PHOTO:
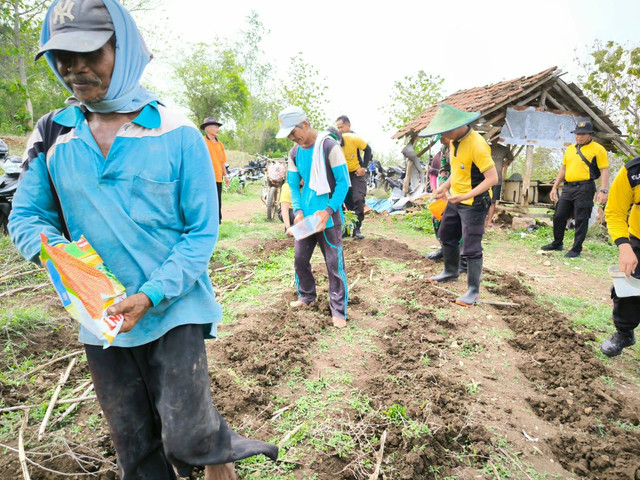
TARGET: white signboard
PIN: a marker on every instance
(529, 126)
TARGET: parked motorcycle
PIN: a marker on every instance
(12, 167)
(254, 170)
(273, 181)
(393, 178)
(373, 174)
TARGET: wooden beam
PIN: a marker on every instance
(528, 99)
(556, 103)
(543, 97)
(596, 118)
(526, 180)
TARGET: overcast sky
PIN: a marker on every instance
(362, 47)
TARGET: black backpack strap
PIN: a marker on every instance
(594, 171)
(50, 131)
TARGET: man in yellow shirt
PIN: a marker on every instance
(624, 228)
(357, 165)
(467, 190)
(582, 164)
(211, 128)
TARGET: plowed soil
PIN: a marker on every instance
(507, 383)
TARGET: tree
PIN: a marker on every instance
(613, 76)
(410, 97)
(27, 88)
(213, 84)
(304, 88)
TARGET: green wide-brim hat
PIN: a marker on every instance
(448, 118)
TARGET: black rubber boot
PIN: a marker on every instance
(451, 257)
(356, 230)
(612, 347)
(435, 256)
(474, 273)
(463, 265)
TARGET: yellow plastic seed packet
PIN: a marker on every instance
(85, 286)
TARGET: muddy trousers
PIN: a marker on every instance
(156, 399)
(626, 310)
(356, 196)
(576, 199)
(330, 242)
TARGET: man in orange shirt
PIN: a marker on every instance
(211, 128)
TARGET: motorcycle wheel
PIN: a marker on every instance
(271, 203)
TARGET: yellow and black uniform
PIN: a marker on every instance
(578, 191)
(577, 169)
(623, 222)
(469, 157)
(352, 145)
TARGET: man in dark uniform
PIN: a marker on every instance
(624, 228)
(467, 190)
(582, 164)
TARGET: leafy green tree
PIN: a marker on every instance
(613, 77)
(410, 97)
(306, 89)
(213, 84)
(27, 88)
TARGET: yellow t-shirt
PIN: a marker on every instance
(624, 194)
(352, 143)
(577, 170)
(285, 194)
(470, 157)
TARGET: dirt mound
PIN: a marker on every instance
(441, 390)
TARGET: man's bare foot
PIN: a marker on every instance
(339, 322)
(220, 472)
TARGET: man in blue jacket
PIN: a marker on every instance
(318, 160)
(135, 179)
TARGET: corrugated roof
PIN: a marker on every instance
(481, 99)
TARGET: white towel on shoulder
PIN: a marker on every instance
(318, 181)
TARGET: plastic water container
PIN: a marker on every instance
(437, 208)
(307, 227)
(624, 286)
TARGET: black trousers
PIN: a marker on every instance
(356, 195)
(156, 399)
(219, 187)
(464, 222)
(576, 199)
(626, 310)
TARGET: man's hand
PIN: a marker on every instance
(298, 218)
(360, 172)
(324, 218)
(133, 308)
(226, 180)
(553, 195)
(627, 260)
(458, 198)
(439, 193)
(601, 198)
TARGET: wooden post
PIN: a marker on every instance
(407, 176)
(526, 180)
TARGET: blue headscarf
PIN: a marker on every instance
(125, 93)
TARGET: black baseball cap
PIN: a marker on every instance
(78, 26)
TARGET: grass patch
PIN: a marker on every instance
(583, 313)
